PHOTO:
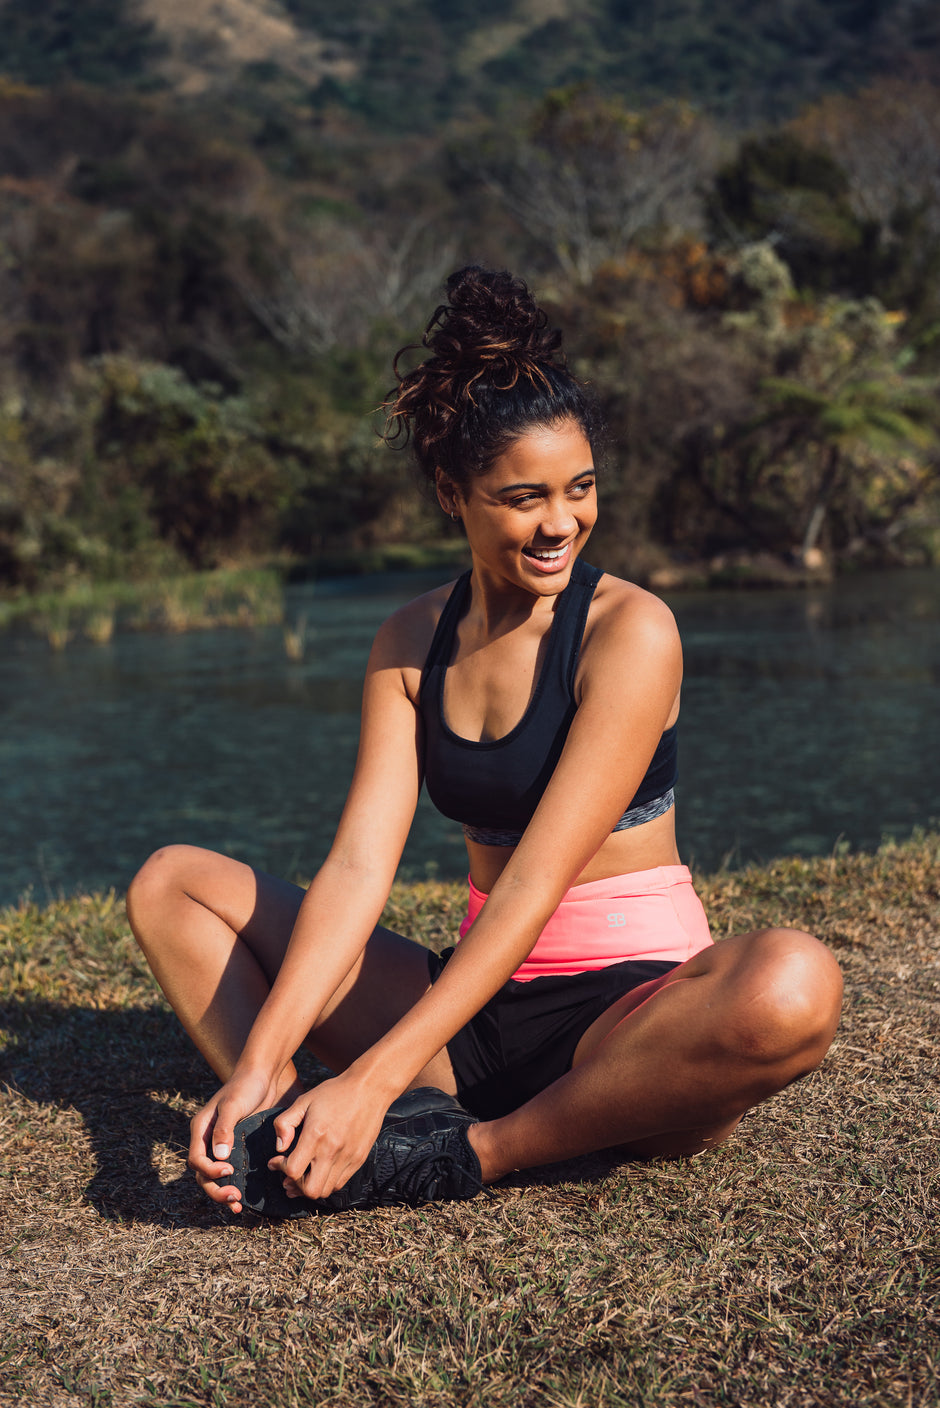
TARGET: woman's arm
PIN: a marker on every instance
(346, 899)
(629, 680)
(630, 677)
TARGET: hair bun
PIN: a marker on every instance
(491, 320)
(496, 369)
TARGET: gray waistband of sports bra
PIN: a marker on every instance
(646, 811)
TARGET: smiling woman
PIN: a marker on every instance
(585, 1005)
(538, 503)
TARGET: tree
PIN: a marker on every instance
(195, 461)
(858, 424)
(780, 191)
(98, 41)
(591, 175)
(886, 141)
(339, 277)
(843, 436)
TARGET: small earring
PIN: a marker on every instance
(455, 515)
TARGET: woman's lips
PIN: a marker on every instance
(548, 559)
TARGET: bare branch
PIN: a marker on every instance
(338, 279)
(592, 176)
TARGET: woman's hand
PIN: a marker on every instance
(338, 1123)
(213, 1130)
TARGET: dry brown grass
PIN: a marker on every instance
(797, 1266)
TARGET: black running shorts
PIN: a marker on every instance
(525, 1037)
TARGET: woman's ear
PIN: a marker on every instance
(447, 494)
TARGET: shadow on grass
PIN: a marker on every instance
(123, 1071)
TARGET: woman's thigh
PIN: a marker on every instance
(258, 912)
(756, 972)
(389, 977)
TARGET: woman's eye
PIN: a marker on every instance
(578, 491)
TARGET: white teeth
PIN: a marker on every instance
(548, 554)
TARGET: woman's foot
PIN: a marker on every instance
(422, 1155)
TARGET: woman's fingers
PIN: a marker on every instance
(336, 1125)
(201, 1157)
(292, 1189)
(287, 1124)
(213, 1135)
(210, 1172)
(239, 1097)
(319, 1180)
(220, 1191)
(292, 1124)
(223, 1134)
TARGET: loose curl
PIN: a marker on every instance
(496, 371)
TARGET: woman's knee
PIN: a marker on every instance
(158, 880)
(786, 1001)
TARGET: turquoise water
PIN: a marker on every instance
(808, 719)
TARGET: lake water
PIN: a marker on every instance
(808, 718)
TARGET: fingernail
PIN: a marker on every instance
(221, 1151)
(280, 1143)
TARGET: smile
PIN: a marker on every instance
(548, 559)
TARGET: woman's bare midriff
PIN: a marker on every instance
(639, 848)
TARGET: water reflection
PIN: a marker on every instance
(806, 718)
(810, 717)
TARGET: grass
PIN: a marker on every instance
(799, 1265)
(191, 601)
(232, 596)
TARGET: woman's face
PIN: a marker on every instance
(528, 517)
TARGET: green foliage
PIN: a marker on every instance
(422, 62)
(98, 41)
(761, 422)
(190, 458)
(200, 298)
(798, 196)
(885, 140)
(169, 601)
(844, 435)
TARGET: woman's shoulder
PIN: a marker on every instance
(619, 605)
(418, 618)
(404, 638)
(627, 620)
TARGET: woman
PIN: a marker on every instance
(585, 1005)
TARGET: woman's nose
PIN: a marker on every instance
(558, 521)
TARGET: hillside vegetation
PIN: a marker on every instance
(422, 62)
(219, 221)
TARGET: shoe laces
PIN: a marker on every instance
(420, 1174)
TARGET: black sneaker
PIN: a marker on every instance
(422, 1155)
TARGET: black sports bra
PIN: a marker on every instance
(494, 787)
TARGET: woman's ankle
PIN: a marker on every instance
(485, 1145)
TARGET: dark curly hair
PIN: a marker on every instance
(496, 371)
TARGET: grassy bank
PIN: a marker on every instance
(797, 1266)
(191, 601)
(235, 596)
